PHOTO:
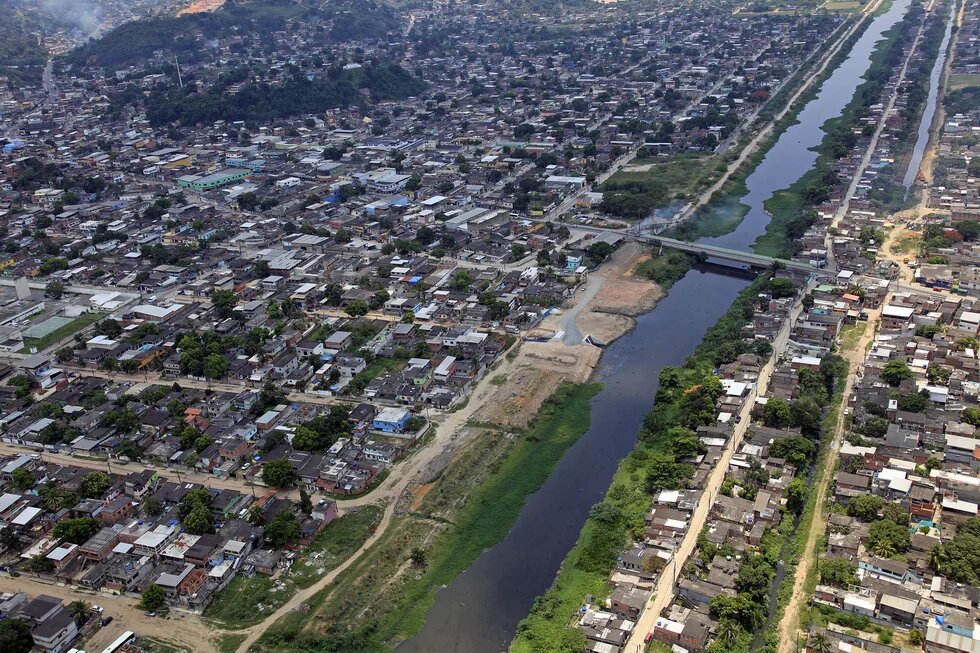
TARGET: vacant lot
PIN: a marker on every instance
(957, 82)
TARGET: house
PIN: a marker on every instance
(391, 420)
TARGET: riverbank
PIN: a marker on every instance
(471, 503)
(791, 209)
(621, 514)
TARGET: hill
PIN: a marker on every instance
(135, 42)
(22, 57)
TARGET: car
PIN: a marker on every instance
(646, 640)
(862, 316)
(150, 613)
(106, 621)
(97, 608)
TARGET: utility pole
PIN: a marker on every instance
(180, 80)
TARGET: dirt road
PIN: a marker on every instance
(180, 628)
(790, 621)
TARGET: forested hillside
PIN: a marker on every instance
(135, 42)
(21, 55)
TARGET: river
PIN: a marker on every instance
(925, 123)
(479, 611)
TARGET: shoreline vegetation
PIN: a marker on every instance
(792, 209)
(665, 432)
(467, 509)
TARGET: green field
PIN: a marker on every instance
(965, 80)
(66, 331)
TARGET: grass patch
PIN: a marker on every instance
(963, 80)
(80, 323)
(153, 645)
(842, 5)
(498, 380)
(230, 643)
(667, 268)
(682, 174)
(334, 544)
(383, 597)
(907, 245)
(247, 601)
(851, 334)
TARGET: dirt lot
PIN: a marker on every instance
(180, 628)
(541, 366)
(623, 292)
(532, 377)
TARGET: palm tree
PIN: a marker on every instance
(883, 548)
(80, 611)
(819, 643)
(938, 558)
(728, 631)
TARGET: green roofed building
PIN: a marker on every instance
(214, 180)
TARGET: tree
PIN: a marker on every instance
(780, 287)
(23, 479)
(807, 414)
(94, 484)
(8, 538)
(152, 506)
(728, 632)
(199, 521)
(796, 495)
(895, 371)
(837, 571)
(971, 416)
(54, 289)
(215, 366)
(820, 643)
(958, 559)
(795, 449)
(15, 636)
(41, 565)
(938, 374)
(80, 611)
(916, 402)
(599, 252)
(777, 413)
(305, 502)
(886, 538)
(517, 251)
(224, 302)
(279, 473)
(76, 531)
(418, 557)
(65, 355)
(916, 638)
(357, 308)
(865, 507)
(154, 597)
(283, 530)
(461, 280)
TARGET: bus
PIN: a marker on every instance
(116, 645)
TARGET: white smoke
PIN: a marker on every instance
(84, 15)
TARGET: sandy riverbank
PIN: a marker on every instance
(527, 380)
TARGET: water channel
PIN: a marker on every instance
(925, 123)
(480, 610)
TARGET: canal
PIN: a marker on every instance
(929, 115)
(480, 610)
